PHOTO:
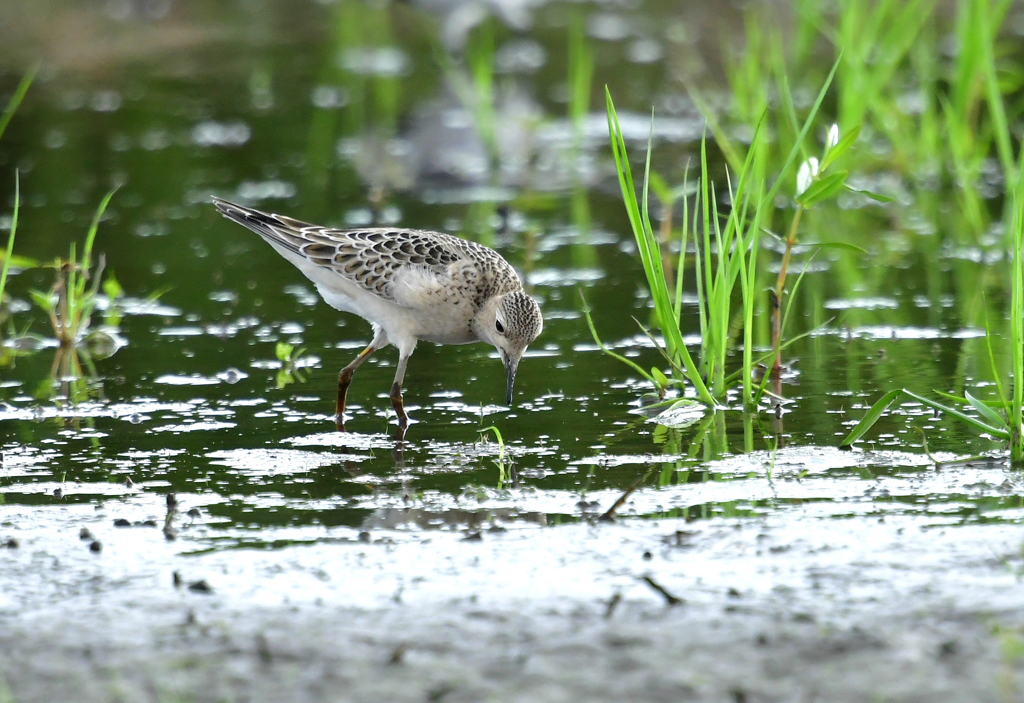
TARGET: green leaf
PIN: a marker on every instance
(998, 431)
(840, 148)
(283, 351)
(874, 196)
(841, 245)
(9, 253)
(660, 379)
(43, 300)
(985, 411)
(954, 398)
(19, 95)
(823, 189)
(597, 340)
(111, 287)
(872, 416)
(90, 237)
(20, 262)
(661, 189)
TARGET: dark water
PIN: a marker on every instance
(343, 114)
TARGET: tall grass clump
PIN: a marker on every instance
(726, 248)
(976, 81)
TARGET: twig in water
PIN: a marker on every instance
(670, 599)
(613, 604)
(924, 445)
(609, 514)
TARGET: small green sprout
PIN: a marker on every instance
(289, 357)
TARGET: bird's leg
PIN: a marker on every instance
(396, 392)
(345, 380)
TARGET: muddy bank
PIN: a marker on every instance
(801, 605)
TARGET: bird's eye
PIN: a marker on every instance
(500, 327)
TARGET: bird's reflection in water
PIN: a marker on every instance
(473, 521)
(426, 519)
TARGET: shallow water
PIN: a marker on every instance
(339, 114)
(191, 403)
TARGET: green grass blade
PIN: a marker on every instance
(1017, 320)
(841, 147)
(16, 99)
(984, 410)
(683, 237)
(14, 231)
(998, 431)
(90, 237)
(846, 246)
(871, 194)
(886, 400)
(597, 340)
(993, 95)
(868, 421)
(995, 370)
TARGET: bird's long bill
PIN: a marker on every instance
(511, 365)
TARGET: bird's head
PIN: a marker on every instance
(510, 322)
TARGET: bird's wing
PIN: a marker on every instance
(389, 262)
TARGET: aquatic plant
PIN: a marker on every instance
(1004, 417)
(502, 462)
(70, 301)
(813, 187)
(927, 115)
(726, 255)
(291, 363)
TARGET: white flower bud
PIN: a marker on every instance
(805, 176)
(833, 137)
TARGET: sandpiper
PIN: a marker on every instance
(410, 285)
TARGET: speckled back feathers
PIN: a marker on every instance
(371, 257)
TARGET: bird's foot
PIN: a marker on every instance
(399, 406)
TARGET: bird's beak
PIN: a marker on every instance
(511, 365)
